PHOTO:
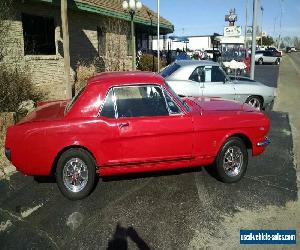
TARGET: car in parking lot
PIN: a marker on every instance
(278, 52)
(122, 123)
(207, 78)
(267, 56)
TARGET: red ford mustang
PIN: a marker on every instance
(133, 122)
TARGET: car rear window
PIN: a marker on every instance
(73, 100)
(169, 70)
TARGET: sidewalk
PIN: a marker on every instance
(288, 99)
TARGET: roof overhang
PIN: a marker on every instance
(82, 6)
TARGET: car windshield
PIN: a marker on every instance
(183, 103)
(169, 70)
(73, 100)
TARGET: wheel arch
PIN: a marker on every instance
(258, 96)
(59, 154)
(241, 136)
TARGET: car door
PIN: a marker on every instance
(148, 130)
(215, 83)
(268, 57)
(107, 133)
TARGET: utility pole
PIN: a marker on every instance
(274, 30)
(158, 38)
(280, 21)
(261, 33)
(253, 45)
(246, 25)
(65, 30)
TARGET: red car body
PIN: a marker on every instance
(131, 144)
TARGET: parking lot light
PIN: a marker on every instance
(131, 6)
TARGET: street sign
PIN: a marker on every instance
(249, 31)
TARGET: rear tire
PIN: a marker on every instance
(260, 61)
(76, 173)
(232, 161)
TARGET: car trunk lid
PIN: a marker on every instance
(46, 111)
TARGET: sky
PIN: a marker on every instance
(199, 17)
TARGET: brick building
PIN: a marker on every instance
(97, 29)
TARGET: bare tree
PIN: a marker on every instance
(296, 42)
(287, 41)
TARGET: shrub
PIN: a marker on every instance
(83, 73)
(85, 70)
(146, 63)
(16, 87)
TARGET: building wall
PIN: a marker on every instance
(48, 70)
(199, 43)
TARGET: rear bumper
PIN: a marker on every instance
(264, 142)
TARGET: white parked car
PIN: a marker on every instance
(267, 56)
(193, 78)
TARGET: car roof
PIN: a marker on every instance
(129, 77)
(196, 62)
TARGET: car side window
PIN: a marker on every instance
(139, 101)
(217, 75)
(108, 108)
(198, 75)
(267, 53)
(173, 108)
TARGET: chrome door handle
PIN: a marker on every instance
(123, 124)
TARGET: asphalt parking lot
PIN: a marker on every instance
(178, 209)
(267, 74)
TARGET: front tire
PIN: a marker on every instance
(232, 161)
(76, 173)
(260, 61)
(277, 62)
(255, 102)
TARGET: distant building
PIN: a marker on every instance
(194, 43)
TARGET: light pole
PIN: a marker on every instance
(253, 44)
(261, 33)
(245, 41)
(131, 6)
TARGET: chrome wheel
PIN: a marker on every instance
(254, 102)
(233, 161)
(75, 175)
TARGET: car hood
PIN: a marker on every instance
(46, 111)
(219, 104)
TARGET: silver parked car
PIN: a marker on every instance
(207, 78)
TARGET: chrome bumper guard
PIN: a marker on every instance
(263, 143)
